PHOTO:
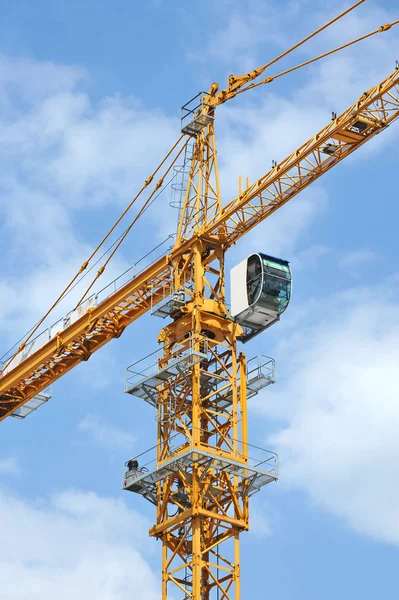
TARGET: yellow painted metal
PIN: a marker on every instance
(196, 196)
(202, 201)
(202, 509)
(370, 115)
(217, 231)
(86, 263)
(200, 512)
(202, 506)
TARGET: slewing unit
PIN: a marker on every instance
(260, 292)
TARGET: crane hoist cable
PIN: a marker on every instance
(236, 81)
(146, 205)
(271, 78)
(104, 322)
(85, 273)
(109, 318)
(86, 262)
(209, 471)
(6, 354)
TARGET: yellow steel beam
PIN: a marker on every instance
(78, 341)
(376, 109)
(200, 542)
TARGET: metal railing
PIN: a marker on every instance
(260, 368)
(32, 404)
(195, 114)
(94, 300)
(251, 456)
(181, 351)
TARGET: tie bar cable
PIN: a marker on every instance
(86, 263)
(271, 78)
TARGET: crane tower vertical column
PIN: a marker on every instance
(202, 479)
(202, 430)
(203, 411)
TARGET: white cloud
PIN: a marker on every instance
(339, 398)
(25, 81)
(9, 466)
(251, 34)
(77, 545)
(246, 29)
(61, 155)
(285, 230)
(251, 136)
(106, 434)
(355, 262)
(83, 152)
(265, 125)
(235, 43)
(309, 258)
(255, 131)
(262, 515)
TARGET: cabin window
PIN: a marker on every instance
(268, 283)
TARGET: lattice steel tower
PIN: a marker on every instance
(202, 476)
(202, 470)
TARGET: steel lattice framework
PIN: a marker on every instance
(202, 476)
(374, 111)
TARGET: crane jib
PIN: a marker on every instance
(374, 111)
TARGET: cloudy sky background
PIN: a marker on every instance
(89, 103)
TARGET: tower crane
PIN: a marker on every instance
(201, 473)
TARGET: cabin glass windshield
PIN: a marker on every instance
(268, 282)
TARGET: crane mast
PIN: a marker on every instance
(202, 480)
(202, 501)
(202, 477)
(207, 411)
(202, 472)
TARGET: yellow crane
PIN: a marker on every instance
(201, 472)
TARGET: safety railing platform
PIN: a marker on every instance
(11, 359)
(170, 306)
(144, 383)
(142, 476)
(196, 114)
(260, 372)
(32, 404)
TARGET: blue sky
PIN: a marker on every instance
(90, 100)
